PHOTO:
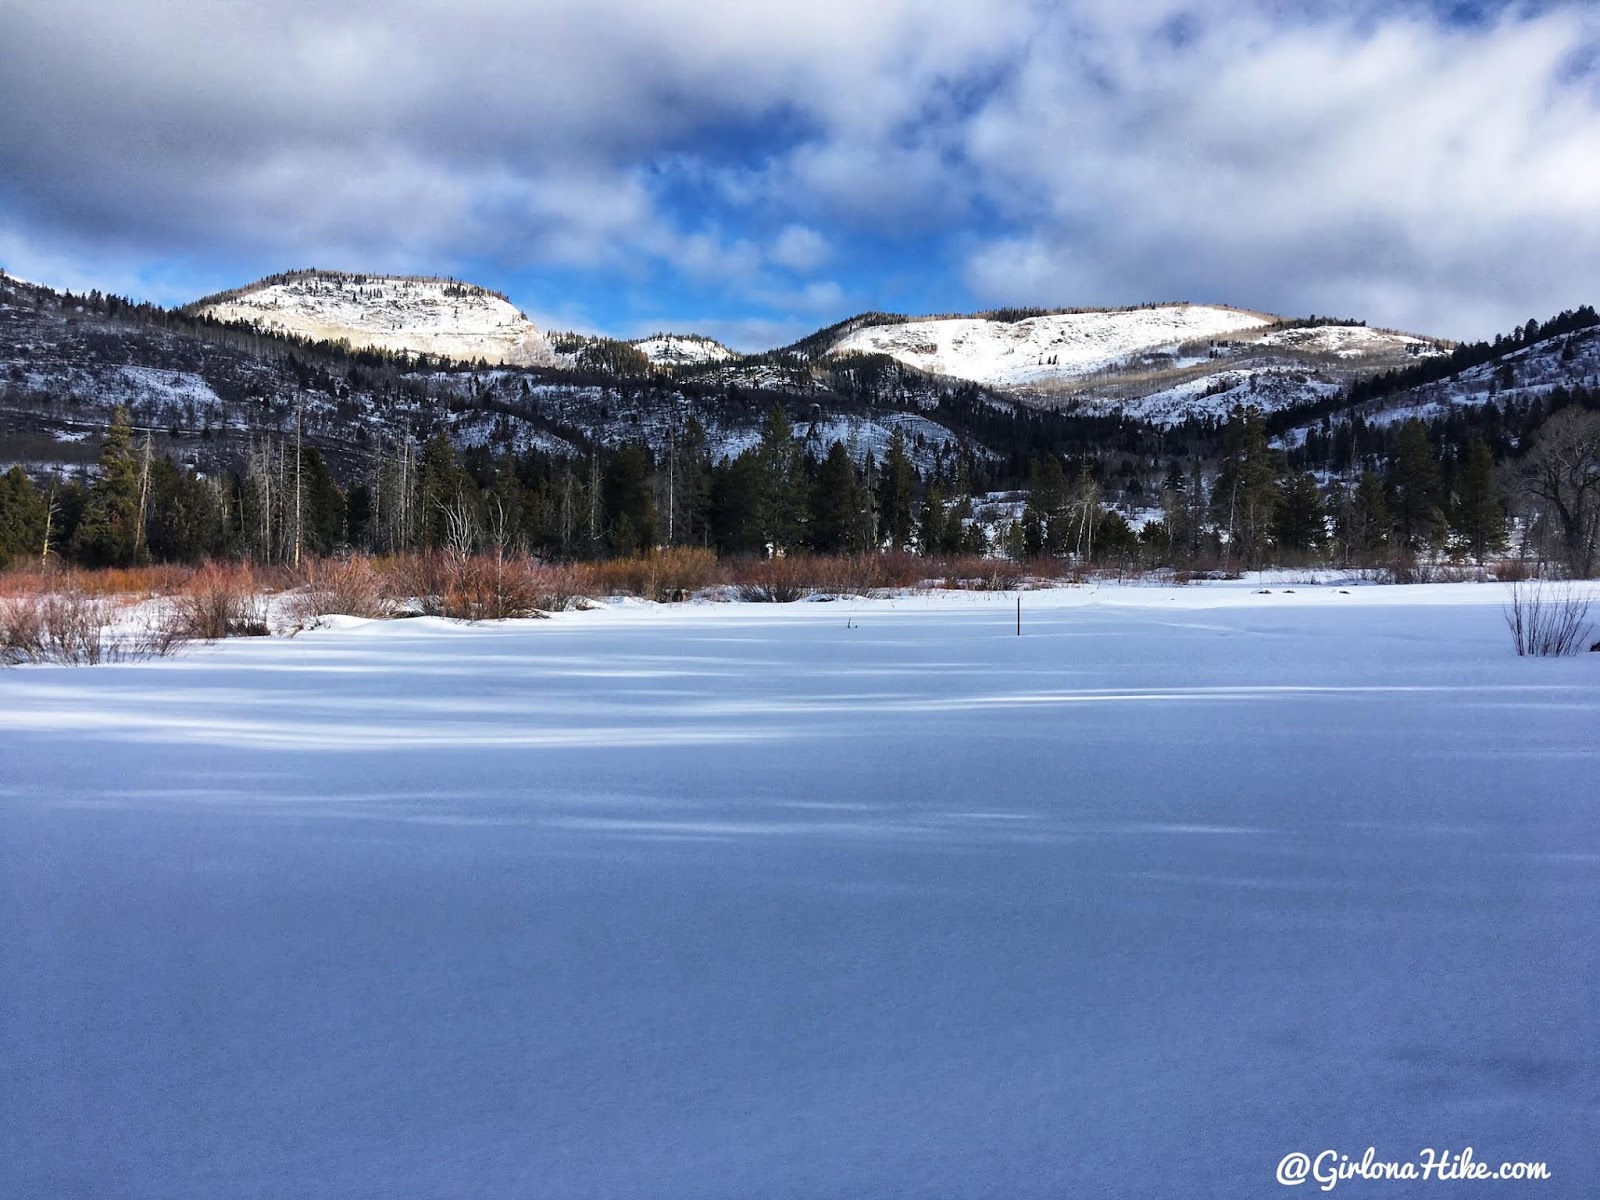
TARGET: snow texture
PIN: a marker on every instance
(1040, 350)
(421, 316)
(683, 350)
(848, 899)
(1530, 373)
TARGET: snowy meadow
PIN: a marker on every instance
(861, 898)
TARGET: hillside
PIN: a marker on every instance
(1043, 350)
(209, 393)
(437, 317)
(1115, 386)
(673, 349)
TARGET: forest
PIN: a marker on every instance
(1402, 494)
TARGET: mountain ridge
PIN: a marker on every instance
(414, 314)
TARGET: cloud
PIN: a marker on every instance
(1392, 160)
(1421, 174)
(800, 249)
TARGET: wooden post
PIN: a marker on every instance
(1019, 616)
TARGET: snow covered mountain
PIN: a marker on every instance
(1047, 349)
(1076, 381)
(674, 349)
(438, 317)
(1161, 364)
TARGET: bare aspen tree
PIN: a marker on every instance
(460, 527)
(144, 496)
(51, 508)
(568, 516)
(594, 500)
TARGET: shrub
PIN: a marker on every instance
(775, 580)
(492, 587)
(349, 587)
(72, 627)
(1547, 619)
(219, 601)
(668, 574)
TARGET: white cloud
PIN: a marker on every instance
(800, 249)
(1417, 174)
(1378, 160)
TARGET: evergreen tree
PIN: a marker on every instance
(358, 515)
(1114, 539)
(782, 478)
(23, 512)
(896, 501)
(1366, 525)
(1301, 524)
(1480, 519)
(1246, 497)
(689, 492)
(449, 514)
(185, 523)
(109, 533)
(1046, 520)
(736, 506)
(931, 522)
(322, 506)
(1418, 511)
(839, 513)
(629, 506)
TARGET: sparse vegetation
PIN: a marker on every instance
(1548, 618)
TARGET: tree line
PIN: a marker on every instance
(1251, 506)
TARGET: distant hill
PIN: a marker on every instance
(443, 318)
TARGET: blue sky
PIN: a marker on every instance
(754, 171)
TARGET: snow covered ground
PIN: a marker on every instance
(865, 898)
(1046, 349)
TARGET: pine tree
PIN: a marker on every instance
(1480, 518)
(1418, 511)
(782, 471)
(323, 505)
(1046, 521)
(1246, 497)
(629, 506)
(896, 501)
(689, 502)
(838, 505)
(23, 513)
(736, 506)
(448, 499)
(1301, 524)
(186, 519)
(1366, 524)
(109, 533)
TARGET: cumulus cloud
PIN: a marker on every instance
(800, 249)
(1422, 174)
(1391, 160)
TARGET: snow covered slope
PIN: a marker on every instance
(1046, 349)
(1532, 373)
(440, 317)
(1271, 368)
(672, 350)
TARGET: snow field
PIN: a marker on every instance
(1041, 349)
(829, 899)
